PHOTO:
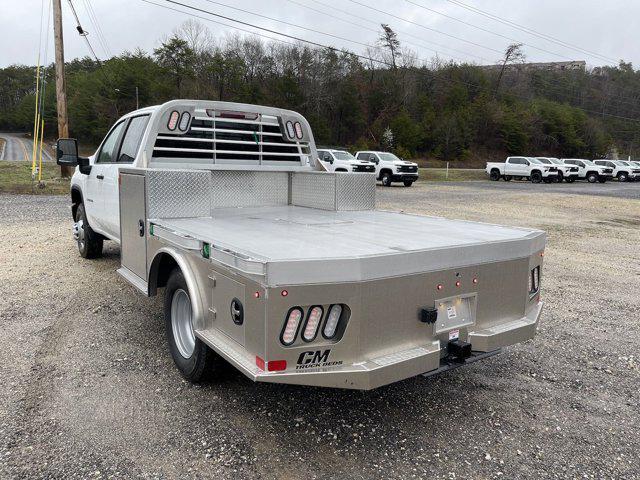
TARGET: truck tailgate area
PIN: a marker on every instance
(299, 245)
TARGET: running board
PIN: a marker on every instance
(134, 280)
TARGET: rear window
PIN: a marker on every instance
(132, 138)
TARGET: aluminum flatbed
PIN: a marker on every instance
(290, 242)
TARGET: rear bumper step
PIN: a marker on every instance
(383, 370)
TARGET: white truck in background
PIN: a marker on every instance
(522, 168)
(568, 173)
(589, 171)
(286, 271)
(623, 171)
(342, 161)
(390, 168)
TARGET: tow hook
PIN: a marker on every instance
(459, 350)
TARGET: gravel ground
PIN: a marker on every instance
(89, 390)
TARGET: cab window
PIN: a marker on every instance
(363, 156)
(110, 145)
(132, 138)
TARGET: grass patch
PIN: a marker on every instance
(455, 174)
(15, 177)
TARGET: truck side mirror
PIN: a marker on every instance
(327, 158)
(67, 152)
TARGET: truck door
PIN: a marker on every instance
(128, 149)
(100, 171)
(515, 166)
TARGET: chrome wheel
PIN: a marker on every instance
(181, 323)
(78, 233)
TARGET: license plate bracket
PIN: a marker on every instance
(455, 312)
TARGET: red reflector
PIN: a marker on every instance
(284, 293)
(475, 280)
(439, 287)
(542, 254)
(458, 283)
(259, 363)
(256, 295)
(277, 365)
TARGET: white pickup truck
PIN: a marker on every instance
(568, 173)
(285, 270)
(390, 168)
(522, 168)
(589, 171)
(343, 161)
(623, 171)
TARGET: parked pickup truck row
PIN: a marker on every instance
(387, 167)
(549, 169)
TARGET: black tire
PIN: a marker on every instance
(623, 177)
(592, 177)
(536, 177)
(602, 179)
(507, 178)
(386, 179)
(408, 183)
(200, 365)
(494, 175)
(89, 242)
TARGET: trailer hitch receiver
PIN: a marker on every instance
(459, 349)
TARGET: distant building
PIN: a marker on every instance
(551, 66)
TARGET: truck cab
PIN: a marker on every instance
(390, 168)
(623, 171)
(343, 161)
(589, 171)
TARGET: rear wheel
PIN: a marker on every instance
(536, 177)
(89, 242)
(494, 175)
(193, 358)
(623, 177)
(386, 179)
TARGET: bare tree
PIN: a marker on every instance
(513, 54)
(389, 39)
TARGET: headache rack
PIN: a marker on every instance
(232, 137)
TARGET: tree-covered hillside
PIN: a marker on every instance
(439, 110)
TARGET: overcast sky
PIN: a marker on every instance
(607, 30)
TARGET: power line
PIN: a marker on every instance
(82, 32)
(93, 19)
(426, 28)
(376, 30)
(486, 30)
(434, 74)
(528, 30)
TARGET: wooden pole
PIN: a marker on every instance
(61, 91)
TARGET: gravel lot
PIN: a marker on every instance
(89, 390)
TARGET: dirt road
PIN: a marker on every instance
(89, 390)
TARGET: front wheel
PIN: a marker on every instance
(386, 179)
(408, 183)
(623, 177)
(592, 178)
(89, 242)
(192, 357)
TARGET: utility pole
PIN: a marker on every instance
(61, 90)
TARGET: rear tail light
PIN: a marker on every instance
(331, 325)
(291, 325)
(534, 281)
(313, 321)
(184, 121)
(298, 128)
(290, 130)
(173, 120)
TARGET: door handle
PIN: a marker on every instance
(100, 177)
(141, 228)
